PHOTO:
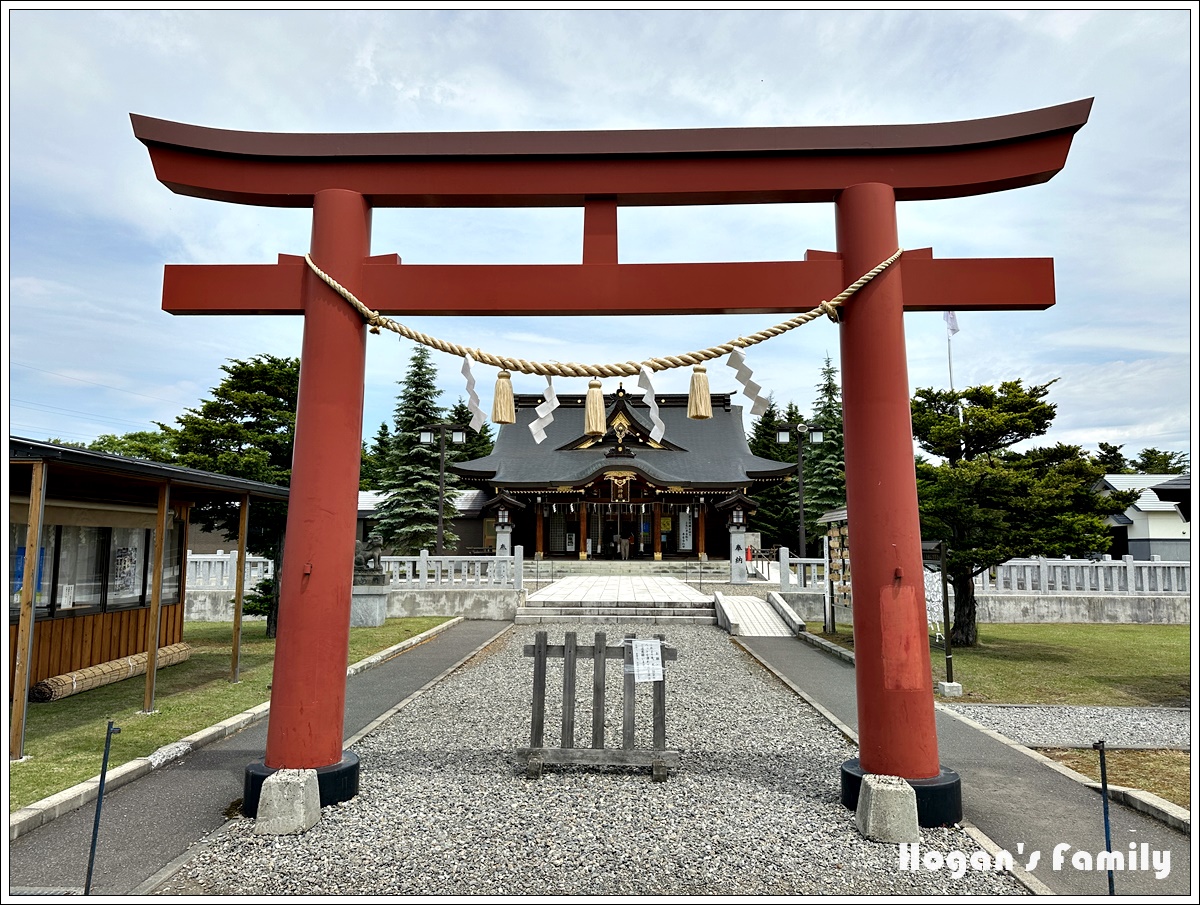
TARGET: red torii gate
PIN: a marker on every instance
(862, 170)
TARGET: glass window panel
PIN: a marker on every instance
(171, 562)
(127, 567)
(81, 566)
(16, 566)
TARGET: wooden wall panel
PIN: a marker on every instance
(73, 642)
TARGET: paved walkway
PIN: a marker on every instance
(617, 590)
(1021, 803)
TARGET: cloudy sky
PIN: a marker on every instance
(91, 352)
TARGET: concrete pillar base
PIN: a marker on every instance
(335, 783)
(949, 689)
(289, 803)
(887, 810)
(939, 798)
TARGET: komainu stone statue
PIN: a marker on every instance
(368, 556)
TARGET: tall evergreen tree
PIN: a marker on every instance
(479, 444)
(825, 462)
(775, 518)
(374, 458)
(247, 430)
(408, 515)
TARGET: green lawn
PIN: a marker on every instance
(64, 739)
(1112, 665)
(1116, 665)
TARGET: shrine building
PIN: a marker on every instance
(576, 495)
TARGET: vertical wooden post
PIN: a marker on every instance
(160, 546)
(599, 670)
(568, 694)
(24, 652)
(538, 722)
(701, 519)
(583, 529)
(238, 582)
(628, 700)
(656, 521)
(660, 703)
(539, 528)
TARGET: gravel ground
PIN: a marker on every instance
(445, 809)
(1080, 727)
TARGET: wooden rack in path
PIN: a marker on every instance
(657, 757)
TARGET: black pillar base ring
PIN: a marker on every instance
(939, 798)
(337, 782)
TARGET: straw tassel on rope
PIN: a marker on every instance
(504, 410)
(593, 419)
(699, 400)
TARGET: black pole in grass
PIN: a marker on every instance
(112, 730)
(1099, 746)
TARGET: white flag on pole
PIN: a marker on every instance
(951, 322)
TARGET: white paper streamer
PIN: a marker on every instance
(752, 391)
(545, 412)
(660, 428)
(478, 418)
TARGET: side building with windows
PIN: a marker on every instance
(94, 579)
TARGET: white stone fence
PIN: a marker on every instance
(1126, 575)
(215, 571)
(463, 572)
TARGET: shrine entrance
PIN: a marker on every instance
(864, 171)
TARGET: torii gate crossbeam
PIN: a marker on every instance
(862, 170)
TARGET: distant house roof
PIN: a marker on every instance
(1149, 501)
(701, 454)
(1177, 490)
(84, 474)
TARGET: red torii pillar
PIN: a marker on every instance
(863, 170)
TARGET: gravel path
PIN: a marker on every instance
(444, 809)
(1037, 725)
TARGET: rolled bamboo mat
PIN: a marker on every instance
(104, 674)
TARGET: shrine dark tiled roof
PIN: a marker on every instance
(710, 454)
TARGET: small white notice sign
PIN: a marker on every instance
(647, 660)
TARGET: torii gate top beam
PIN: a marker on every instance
(632, 168)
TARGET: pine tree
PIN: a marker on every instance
(373, 459)
(478, 444)
(775, 518)
(408, 515)
(825, 462)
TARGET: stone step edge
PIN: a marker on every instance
(616, 619)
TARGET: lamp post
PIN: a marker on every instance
(458, 434)
(813, 434)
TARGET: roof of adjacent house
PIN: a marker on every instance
(1149, 500)
(711, 453)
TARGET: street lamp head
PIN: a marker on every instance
(783, 435)
(427, 437)
(458, 436)
(816, 433)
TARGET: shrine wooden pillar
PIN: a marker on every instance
(538, 527)
(897, 735)
(657, 522)
(308, 688)
(701, 518)
(583, 529)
